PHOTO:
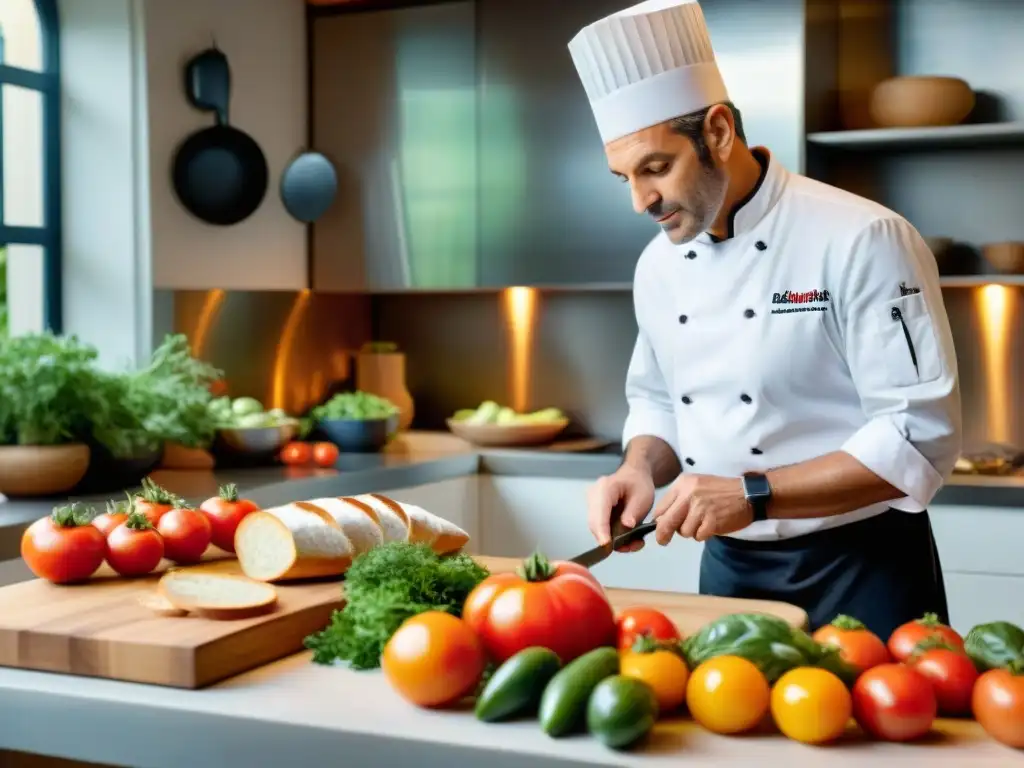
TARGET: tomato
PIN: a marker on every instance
(998, 704)
(727, 694)
(905, 638)
(134, 548)
(433, 659)
(297, 453)
(325, 454)
(857, 644)
(811, 705)
(638, 621)
(894, 702)
(225, 511)
(186, 534)
(153, 501)
(113, 517)
(64, 547)
(663, 669)
(951, 673)
(544, 604)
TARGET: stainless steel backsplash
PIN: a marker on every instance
(460, 352)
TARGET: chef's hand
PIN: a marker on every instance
(701, 506)
(631, 487)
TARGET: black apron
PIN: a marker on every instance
(883, 571)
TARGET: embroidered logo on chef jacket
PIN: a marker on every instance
(817, 300)
(908, 291)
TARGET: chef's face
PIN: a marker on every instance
(681, 189)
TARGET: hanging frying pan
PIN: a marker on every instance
(308, 186)
(220, 173)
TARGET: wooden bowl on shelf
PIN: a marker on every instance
(508, 435)
(1007, 258)
(921, 102)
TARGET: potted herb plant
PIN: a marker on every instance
(47, 390)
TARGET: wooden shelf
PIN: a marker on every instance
(982, 134)
(975, 281)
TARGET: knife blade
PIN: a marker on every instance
(592, 557)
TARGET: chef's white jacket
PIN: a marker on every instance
(817, 326)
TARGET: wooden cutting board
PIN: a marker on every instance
(99, 629)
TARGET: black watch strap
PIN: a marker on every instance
(758, 493)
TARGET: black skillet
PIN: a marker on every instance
(220, 173)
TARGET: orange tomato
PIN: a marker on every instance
(728, 694)
(225, 511)
(662, 669)
(906, 637)
(325, 454)
(153, 501)
(998, 705)
(433, 659)
(63, 547)
(857, 644)
(811, 705)
(134, 548)
(186, 534)
(297, 453)
(109, 520)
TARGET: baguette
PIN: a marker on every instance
(295, 541)
(420, 526)
(358, 520)
(216, 595)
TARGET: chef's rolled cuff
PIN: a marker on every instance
(881, 447)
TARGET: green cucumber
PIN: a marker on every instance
(563, 705)
(516, 686)
(621, 711)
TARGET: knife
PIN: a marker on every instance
(621, 536)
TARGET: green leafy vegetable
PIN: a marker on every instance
(351, 406)
(384, 587)
(995, 645)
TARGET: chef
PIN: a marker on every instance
(793, 381)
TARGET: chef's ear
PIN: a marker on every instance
(720, 131)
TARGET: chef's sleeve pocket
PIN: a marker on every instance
(908, 349)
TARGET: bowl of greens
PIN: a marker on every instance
(245, 429)
(357, 422)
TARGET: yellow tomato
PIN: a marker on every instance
(663, 670)
(727, 694)
(811, 705)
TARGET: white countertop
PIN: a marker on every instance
(295, 713)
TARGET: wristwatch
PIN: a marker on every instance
(758, 494)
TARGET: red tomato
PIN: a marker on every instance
(906, 638)
(951, 673)
(857, 645)
(998, 705)
(297, 454)
(225, 511)
(153, 501)
(325, 454)
(894, 702)
(134, 548)
(186, 534)
(637, 621)
(63, 547)
(540, 606)
(110, 519)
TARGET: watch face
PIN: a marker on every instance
(756, 486)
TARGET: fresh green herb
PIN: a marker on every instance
(383, 588)
(354, 406)
(379, 348)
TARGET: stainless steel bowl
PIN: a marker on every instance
(255, 441)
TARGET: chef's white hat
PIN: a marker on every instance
(647, 64)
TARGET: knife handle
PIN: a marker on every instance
(633, 534)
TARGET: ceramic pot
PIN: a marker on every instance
(42, 470)
(1007, 258)
(383, 374)
(920, 102)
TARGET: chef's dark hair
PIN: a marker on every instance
(692, 127)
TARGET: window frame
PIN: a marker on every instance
(47, 236)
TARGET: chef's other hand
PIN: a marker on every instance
(701, 506)
(632, 487)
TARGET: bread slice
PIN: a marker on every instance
(394, 522)
(217, 595)
(357, 520)
(295, 541)
(160, 605)
(422, 527)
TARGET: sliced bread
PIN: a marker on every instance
(357, 520)
(421, 526)
(217, 595)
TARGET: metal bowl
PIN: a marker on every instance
(254, 442)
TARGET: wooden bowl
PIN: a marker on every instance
(1005, 257)
(42, 470)
(508, 435)
(919, 102)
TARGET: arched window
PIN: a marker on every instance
(30, 209)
